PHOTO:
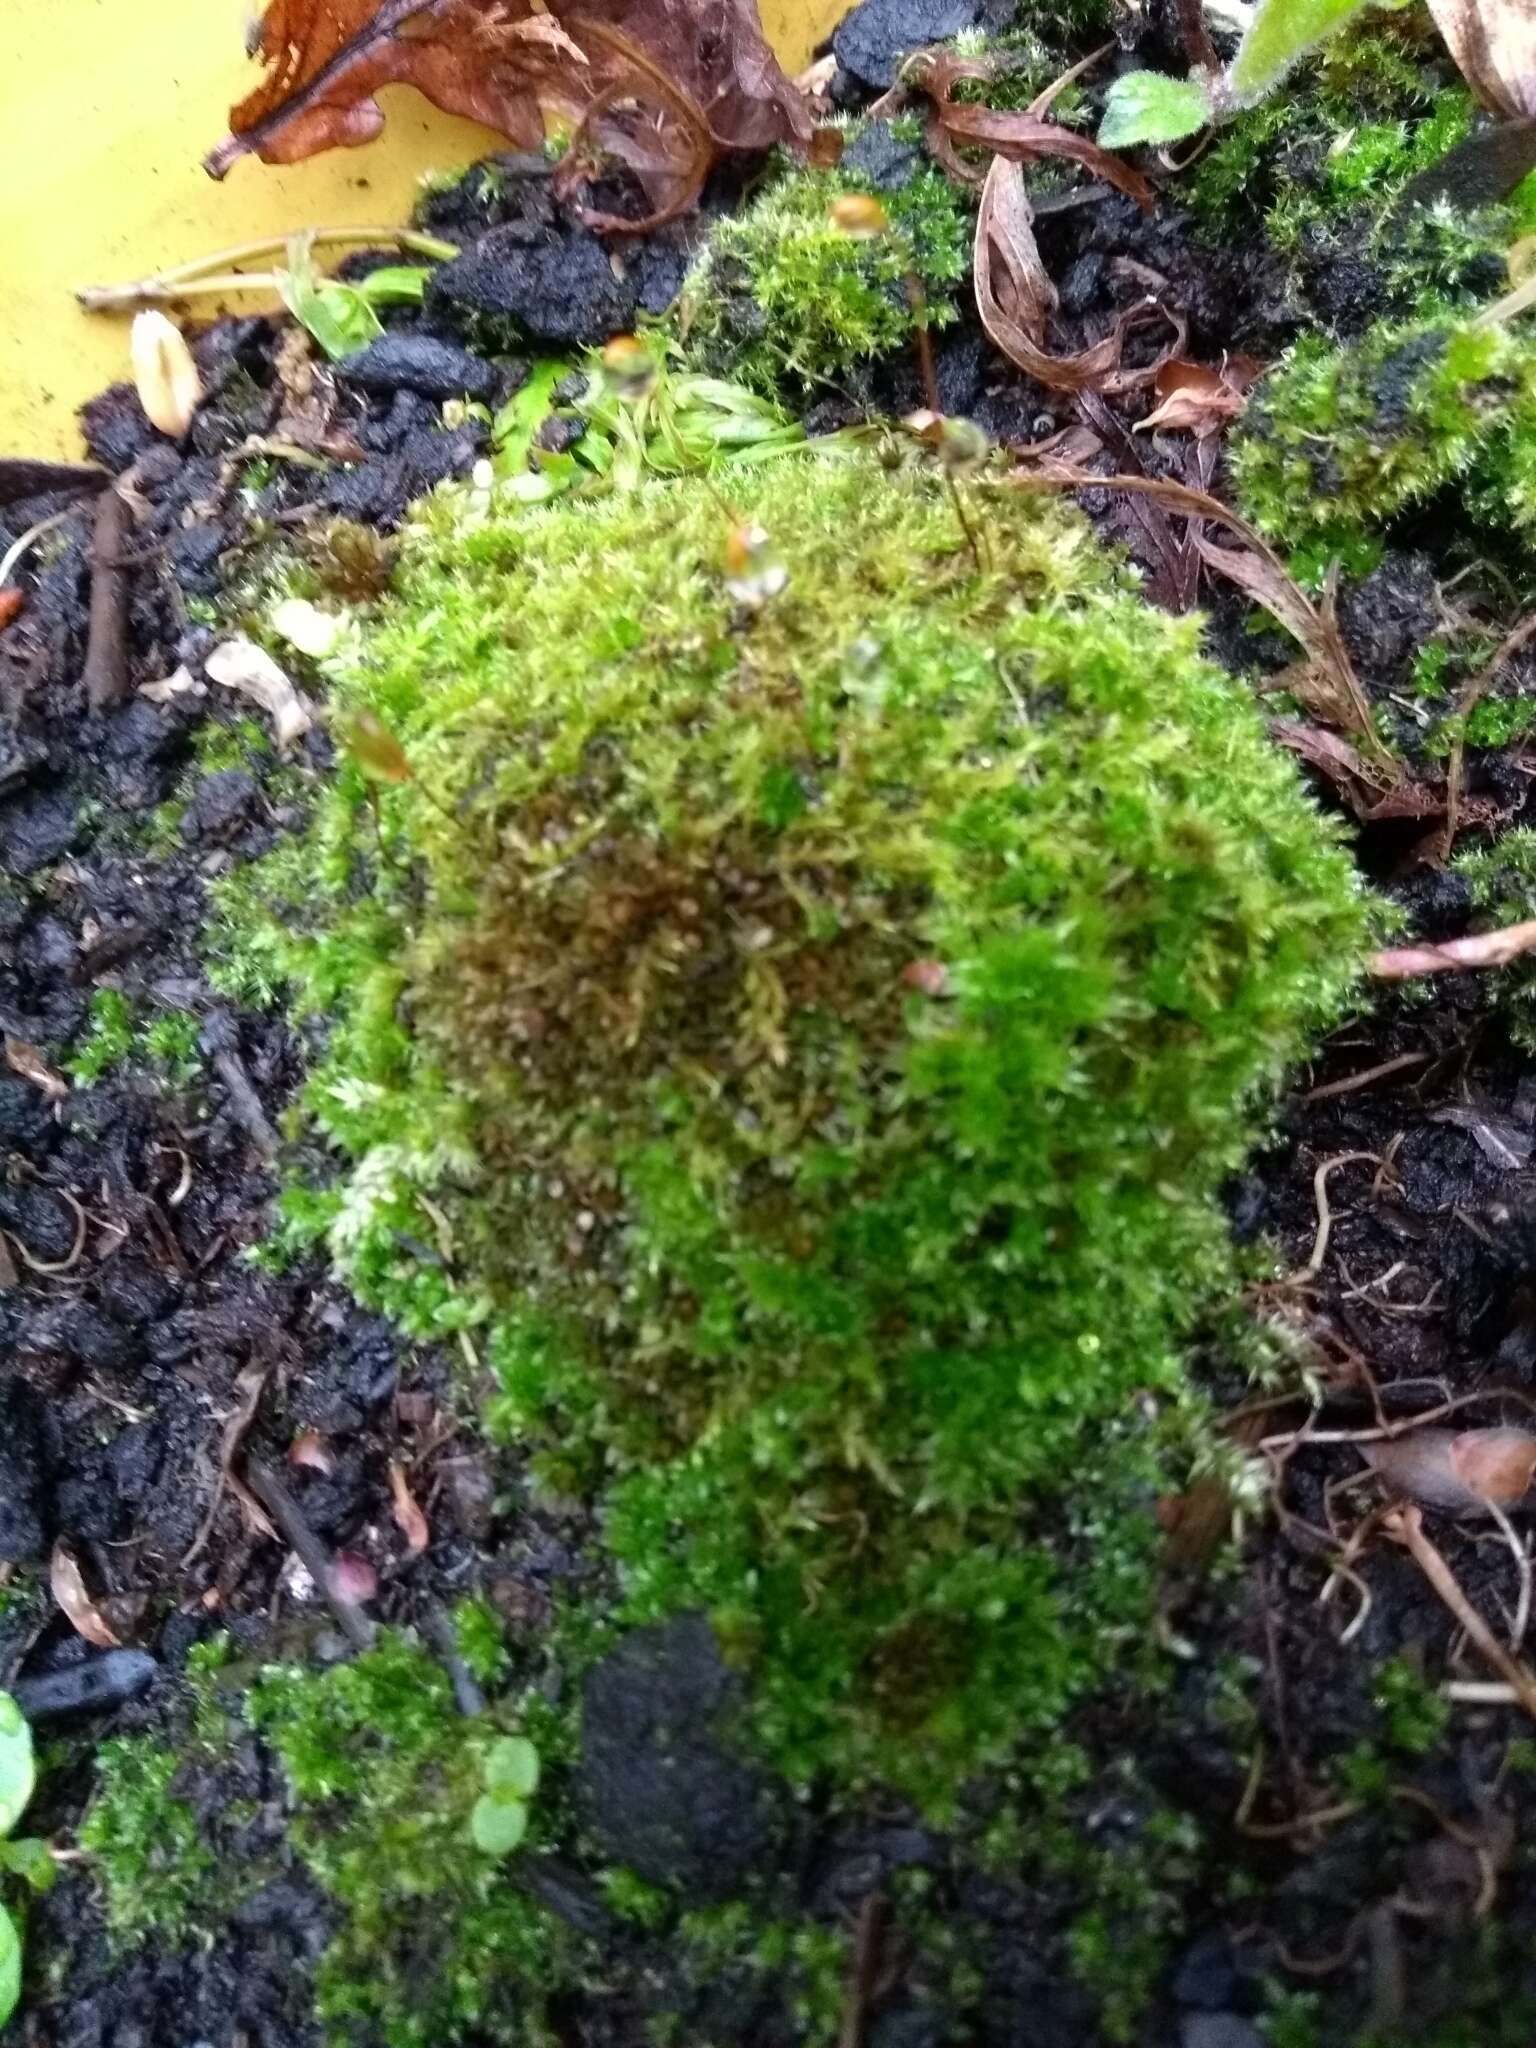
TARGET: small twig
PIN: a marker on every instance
(867, 1939)
(1480, 1692)
(105, 675)
(11, 559)
(245, 1104)
(1367, 1077)
(311, 1552)
(1043, 101)
(1407, 1525)
(172, 284)
(249, 1388)
(1314, 1264)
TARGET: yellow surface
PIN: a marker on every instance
(106, 109)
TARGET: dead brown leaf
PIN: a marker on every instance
(1022, 137)
(1494, 44)
(664, 86)
(79, 1609)
(1016, 299)
(1197, 399)
(25, 1059)
(409, 1519)
(1328, 685)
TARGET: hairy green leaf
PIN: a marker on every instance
(1280, 32)
(1147, 106)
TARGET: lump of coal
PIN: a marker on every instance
(872, 40)
(419, 362)
(556, 284)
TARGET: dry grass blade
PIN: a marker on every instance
(1407, 1525)
(1331, 689)
(1016, 299)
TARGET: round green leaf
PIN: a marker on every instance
(512, 1769)
(498, 1825)
(32, 1860)
(1146, 106)
(17, 1773)
(10, 1966)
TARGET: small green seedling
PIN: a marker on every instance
(1146, 106)
(499, 1819)
(343, 317)
(26, 1859)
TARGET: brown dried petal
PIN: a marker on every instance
(409, 1519)
(79, 1609)
(1460, 1470)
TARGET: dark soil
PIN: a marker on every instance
(135, 1326)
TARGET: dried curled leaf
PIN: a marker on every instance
(1494, 44)
(24, 1058)
(1016, 299)
(1197, 399)
(79, 1609)
(665, 86)
(242, 665)
(1461, 1470)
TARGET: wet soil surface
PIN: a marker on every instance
(140, 1346)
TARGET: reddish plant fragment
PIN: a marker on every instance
(1455, 956)
(310, 1450)
(79, 1609)
(1022, 137)
(665, 86)
(12, 604)
(1461, 1470)
(1197, 399)
(409, 1519)
(1016, 299)
(351, 1579)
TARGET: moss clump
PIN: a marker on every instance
(107, 1039)
(824, 1028)
(433, 1941)
(781, 296)
(1338, 441)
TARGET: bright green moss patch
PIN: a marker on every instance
(433, 1941)
(782, 297)
(107, 1039)
(823, 1029)
(1337, 441)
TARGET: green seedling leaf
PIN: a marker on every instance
(395, 284)
(17, 1770)
(523, 415)
(498, 1825)
(1147, 106)
(1280, 32)
(512, 1769)
(31, 1860)
(337, 315)
(10, 1966)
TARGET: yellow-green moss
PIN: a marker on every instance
(1337, 442)
(824, 1028)
(780, 296)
